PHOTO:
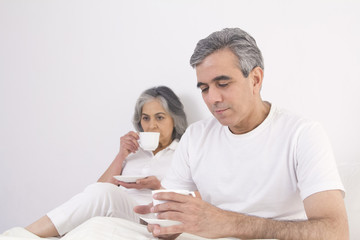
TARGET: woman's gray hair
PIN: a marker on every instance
(170, 102)
(238, 41)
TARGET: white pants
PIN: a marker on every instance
(98, 199)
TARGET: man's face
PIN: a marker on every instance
(229, 96)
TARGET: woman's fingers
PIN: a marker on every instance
(150, 182)
(143, 209)
(129, 142)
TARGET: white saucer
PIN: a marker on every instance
(161, 222)
(128, 179)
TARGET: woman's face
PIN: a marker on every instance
(154, 118)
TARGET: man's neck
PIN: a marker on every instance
(259, 114)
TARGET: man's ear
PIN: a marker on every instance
(257, 75)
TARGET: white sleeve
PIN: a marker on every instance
(179, 176)
(316, 166)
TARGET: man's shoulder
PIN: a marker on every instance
(287, 120)
(283, 114)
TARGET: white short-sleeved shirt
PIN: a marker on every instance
(267, 172)
(145, 163)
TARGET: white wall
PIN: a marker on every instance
(70, 72)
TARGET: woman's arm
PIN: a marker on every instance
(128, 144)
(115, 168)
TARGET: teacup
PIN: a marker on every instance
(149, 140)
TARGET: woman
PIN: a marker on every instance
(157, 109)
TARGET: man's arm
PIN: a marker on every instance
(326, 213)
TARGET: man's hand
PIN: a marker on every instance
(325, 210)
(150, 182)
(146, 209)
(197, 216)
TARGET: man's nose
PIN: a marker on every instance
(214, 95)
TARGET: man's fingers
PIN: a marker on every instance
(176, 216)
(167, 206)
(167, 232)
(171, 196)
(179, 203)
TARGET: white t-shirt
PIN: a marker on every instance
(145, 163)
(266, 172)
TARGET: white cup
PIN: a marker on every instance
(149, 140)
(183, 192)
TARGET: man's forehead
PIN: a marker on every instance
(219, 60)
(216, 71)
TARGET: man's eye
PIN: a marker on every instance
(223, 84)
(204, 89)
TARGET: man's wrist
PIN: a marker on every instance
(243, 226)
(236, 223)
(231, 224)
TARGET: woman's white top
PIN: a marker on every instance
(145, 163)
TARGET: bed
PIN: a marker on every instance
(99, 228)
(106, 228)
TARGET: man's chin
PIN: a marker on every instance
(223, 121)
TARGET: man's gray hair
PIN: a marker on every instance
(170, 102)
(238, 41)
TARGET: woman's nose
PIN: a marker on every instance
(153, 124)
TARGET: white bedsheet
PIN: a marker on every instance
(101, 228)
(98, 228)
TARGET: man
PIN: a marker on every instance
(262, 172)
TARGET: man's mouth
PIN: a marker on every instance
(220, 111)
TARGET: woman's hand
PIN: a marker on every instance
(150, 182)
(128, 144)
